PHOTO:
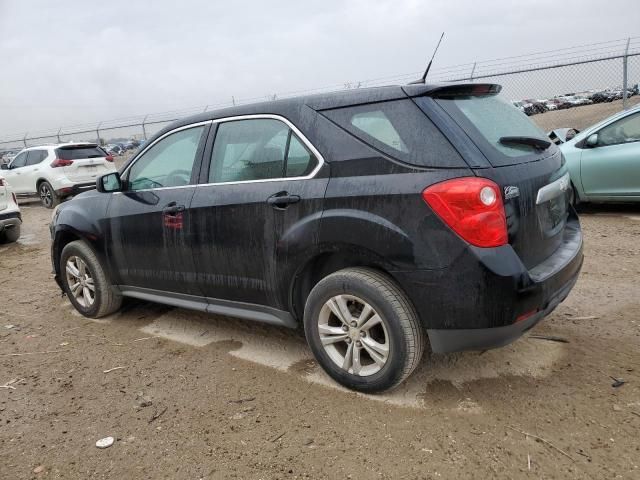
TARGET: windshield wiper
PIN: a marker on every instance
(537, 143)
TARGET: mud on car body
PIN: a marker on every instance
(379, 219)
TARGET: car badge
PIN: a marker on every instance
(511, 192)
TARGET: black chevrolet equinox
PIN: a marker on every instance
(372, 217)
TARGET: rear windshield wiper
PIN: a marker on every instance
(537, 143)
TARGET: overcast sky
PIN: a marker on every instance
(72, 62)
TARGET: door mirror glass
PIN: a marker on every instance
(109, 183)
(4, 166)
(592, 140)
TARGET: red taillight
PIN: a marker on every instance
(109, 158)
(472, 207)
(61, 162)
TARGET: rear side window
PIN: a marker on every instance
(486, 119)
(36, 156)
(258, 149)
(79, 153)
(399, 129)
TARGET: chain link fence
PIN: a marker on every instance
(567, 87)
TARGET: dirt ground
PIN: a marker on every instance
(192, 396)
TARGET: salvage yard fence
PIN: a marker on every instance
(566, 87)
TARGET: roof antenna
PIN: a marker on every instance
(426, 72)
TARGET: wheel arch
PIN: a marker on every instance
(325, 263)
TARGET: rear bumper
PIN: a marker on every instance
(75, 189)
(10, 220)
(487, 298)
(446, 341)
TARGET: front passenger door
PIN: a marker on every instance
(612, 167)
(150, 238)
(19, 182)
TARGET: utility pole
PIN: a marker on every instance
(625, 59)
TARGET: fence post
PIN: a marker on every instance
(144, 130)
(58, 135)
(473, 69)
(24, 139)
(625, 59)
(98, 133)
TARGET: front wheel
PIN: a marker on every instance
(48, 196)
(363, 330)
(86, 283)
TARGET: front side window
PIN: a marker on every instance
(20, 160)
(625, 130)
(257, 149)
(168, 163)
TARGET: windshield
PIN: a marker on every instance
(487, 119)
(79, 152)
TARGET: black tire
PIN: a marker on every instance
(48, 196)
(12, 234)
(106, 299)
(573, 197)
(404, 332)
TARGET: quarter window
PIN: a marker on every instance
(168, 163)
(258, 149)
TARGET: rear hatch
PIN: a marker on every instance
(513, 152)
(84, 163)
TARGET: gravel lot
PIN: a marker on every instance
(193, 396)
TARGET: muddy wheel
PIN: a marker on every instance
(363, 330)
(86, 283)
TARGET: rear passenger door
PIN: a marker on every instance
(256, 210)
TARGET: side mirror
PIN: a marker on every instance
(592, 140)
(110, 182)
(4, 166)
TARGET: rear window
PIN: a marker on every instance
(399, 129)
(78, 153)
(486, 119)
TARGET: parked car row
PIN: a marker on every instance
(535, 106)
(7, 155)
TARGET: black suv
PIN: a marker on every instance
(372, 217)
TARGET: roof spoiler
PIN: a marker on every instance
(453, 90)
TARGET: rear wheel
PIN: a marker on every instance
(363, 330)
(86, 283)
(48, 196)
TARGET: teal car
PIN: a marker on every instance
(604, 160)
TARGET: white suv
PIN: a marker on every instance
(10, 219)
(57, 171)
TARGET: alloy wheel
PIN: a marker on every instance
(46, 195)
(80, 281)
(354, 335)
